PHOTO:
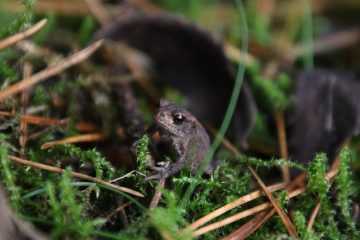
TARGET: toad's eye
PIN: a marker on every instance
(178, 118)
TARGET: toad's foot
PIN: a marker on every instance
(161, 172)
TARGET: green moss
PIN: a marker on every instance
(46, 30)
(8, 175)
(86, 30)
(23, 20)
(344, 184)
(103, 169)
(169, 221)
(270, 93)
(301, 226)
(70, 220)
(317, 183)
(259, 25)
(269, 163)
(7, 73)
(142, 152)
(318, 187)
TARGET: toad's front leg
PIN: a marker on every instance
(167, 171)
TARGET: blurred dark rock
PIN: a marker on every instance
(189, 60)
(325, 114)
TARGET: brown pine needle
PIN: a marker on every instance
(7, 42)
(298, 181)
(281, 132)
(288, 224)
(157, 196)
(98, 11)
(32, 49)
(248, 228)
(118, 209)
(85, 127)
(329, 177)
(225, 142)
(313, 216)
(336, 162)
(38, 121)
(242, 214)
(231, 219)
(74, 174)
(6, 114)
(94, 137)
(262, 148)
(244, 199)
(235, 54)
(330, 42)
(43, 121)
(331, 174)
(25, 100)
(50, 71)
(23, 134)
(146, 6)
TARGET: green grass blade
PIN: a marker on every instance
(231, 107)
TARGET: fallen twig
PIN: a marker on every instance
(74, 174)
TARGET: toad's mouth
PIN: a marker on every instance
(164, 127)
